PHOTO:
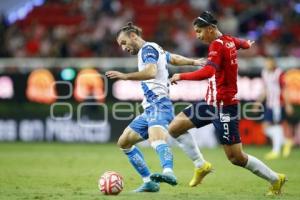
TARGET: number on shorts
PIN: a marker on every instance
(226, 128)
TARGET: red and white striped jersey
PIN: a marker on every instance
(221, 69)
(222, 86)
(273, 81)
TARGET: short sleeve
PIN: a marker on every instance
(149, 54)
(168, 57)
(215, 54)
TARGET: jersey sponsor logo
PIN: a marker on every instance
(224, 117)
(149, 54)
(229, 44)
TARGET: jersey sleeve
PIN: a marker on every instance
(201, 74)
(149, 54)
(168, 57)
(240, 43)
(215, 54)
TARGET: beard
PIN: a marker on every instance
(134, 50)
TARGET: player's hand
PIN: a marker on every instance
(175, 78)
(200, 62)
(250, 42)
(116, 75)
(289, 109)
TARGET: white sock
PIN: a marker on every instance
(268, 132)
(278, 138)
(260, 169)
(275, 133)
(167, 170)
(146, 179)
(156, 143)
(188, 144)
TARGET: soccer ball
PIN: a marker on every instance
(111, 183)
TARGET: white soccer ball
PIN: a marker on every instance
(111, 183)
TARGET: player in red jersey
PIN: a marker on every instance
(221, 105)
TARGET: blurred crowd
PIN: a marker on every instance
(273, 24)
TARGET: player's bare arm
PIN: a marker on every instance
(181, 60)
(148, 73)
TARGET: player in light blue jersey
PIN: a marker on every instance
(153, 123)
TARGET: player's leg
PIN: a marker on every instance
(274, 131)
(159, 117)
(134, 133)
(158, 136)
(288, 138)
(237, 157)
(227, 129)
(178, 129)
(126, 143)
(275, 134)
(287, 132)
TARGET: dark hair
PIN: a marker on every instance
(130, 28)
(205, 19)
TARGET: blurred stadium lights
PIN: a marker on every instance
(253, 35)
(18, 9)
(68, 74)
(271, 25)
(6, 87)
(297, 7)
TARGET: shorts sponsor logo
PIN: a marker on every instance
(226, 137)
(224, 117)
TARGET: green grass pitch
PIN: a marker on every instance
(36, 171)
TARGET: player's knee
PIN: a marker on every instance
(238, 160)
(235, 161)
(123, 142)
(176, 128)
(173, 130)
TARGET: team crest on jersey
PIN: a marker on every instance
(224, 117)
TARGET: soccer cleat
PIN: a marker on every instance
(150, 186)
(287, 148)
(200, 173)
(169, 178)
(271, 155)
(275, 188)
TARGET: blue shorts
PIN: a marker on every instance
(161, 113)
(224, 119)
(274, 116)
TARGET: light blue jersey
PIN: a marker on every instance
(158, 87)
(156, 103)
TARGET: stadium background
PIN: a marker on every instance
(45, 46)
(78, 35)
